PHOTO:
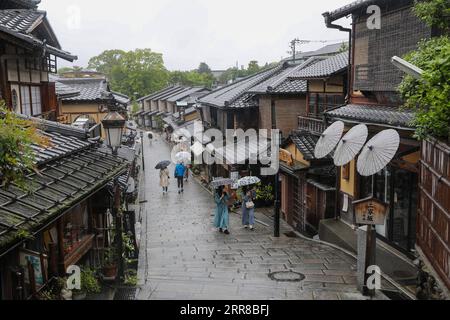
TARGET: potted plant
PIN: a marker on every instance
(264, 195)
(89, 285)
(109, 269)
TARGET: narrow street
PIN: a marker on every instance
(183, 257)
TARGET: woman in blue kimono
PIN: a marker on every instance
(221, 219)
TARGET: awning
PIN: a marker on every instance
(242, 151)
(373, 114)
(320, 186)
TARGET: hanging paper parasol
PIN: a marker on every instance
(329, 139)
(350, 145)
(163, 164)
(378, 152)
(219, 182)
(247, 181)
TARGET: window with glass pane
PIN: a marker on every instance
(36, 100)
(26, 101)
(321, 104)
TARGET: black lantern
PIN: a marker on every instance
(113, 124)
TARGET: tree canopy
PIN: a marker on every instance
(134, 73)
(429, 96)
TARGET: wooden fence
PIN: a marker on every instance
(433, 220)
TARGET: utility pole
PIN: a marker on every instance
(142, 150)
(276, 217)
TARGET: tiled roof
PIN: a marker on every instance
(121, 98)
(19, 23)
(291, 86)
(59, 146)
(281, 82)
(61, 89)
(349, 8)
(154, 94)
(14, 4)
(327, 50)
(59, 185)
(373, 114)
(174, 93)
(51, 126)
(265, 86)
(226, 96)
(91, 89)
(185, 94)
(247, 100)
(323, 68)
(21, 20)
(305, 143)
(169, 93)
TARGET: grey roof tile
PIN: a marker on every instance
(226, 96)
(349, 8)
(323, 68)
(185, 94)
(305, 143)
(374, 114)
(19, 23)
(91, 89)
(21, 20)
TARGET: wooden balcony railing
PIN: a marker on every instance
(311, 124)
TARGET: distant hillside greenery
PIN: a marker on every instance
(142, 71)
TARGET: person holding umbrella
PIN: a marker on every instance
(221, 218)
(164, 175)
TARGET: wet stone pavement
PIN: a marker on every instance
(183, 257)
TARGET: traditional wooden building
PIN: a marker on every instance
(29, 50)
(233, 107)
(374, 101)
(92, 101)
(63, 220)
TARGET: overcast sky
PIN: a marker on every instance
(187, 32)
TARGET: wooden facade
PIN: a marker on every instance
(24, 82)
(433, 217)
(281, 111)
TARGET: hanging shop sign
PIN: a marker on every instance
(370, 211)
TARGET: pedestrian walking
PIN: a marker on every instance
(150, 137)
(164, 177)
(221, 218)
(186, 173)
(248, 208)
(179, 175)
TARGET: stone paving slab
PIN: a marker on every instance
(183, 257)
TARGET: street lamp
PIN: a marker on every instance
(113, 124)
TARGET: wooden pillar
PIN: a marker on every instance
(60, 231)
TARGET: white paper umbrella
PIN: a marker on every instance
(378, 152)
(329, 139)
(350, 145)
